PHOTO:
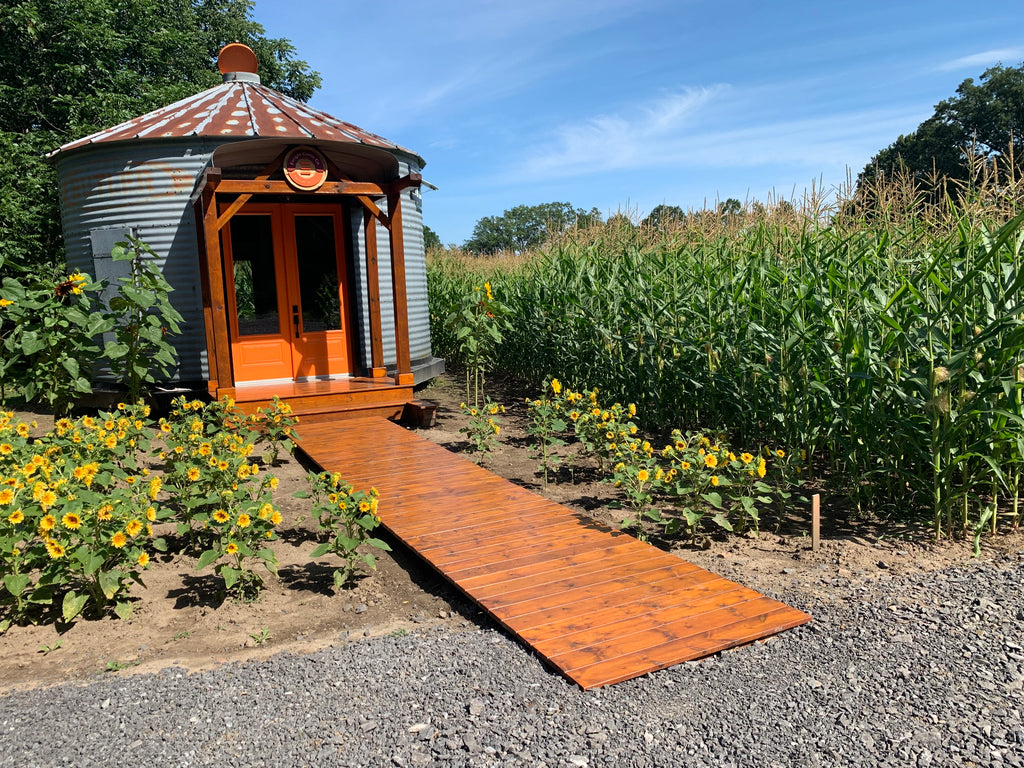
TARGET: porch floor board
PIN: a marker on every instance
(595, 603)
(329, 399)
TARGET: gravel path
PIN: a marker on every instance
(920, 671)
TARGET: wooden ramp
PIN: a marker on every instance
(596, 603)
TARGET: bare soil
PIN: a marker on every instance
(180, 621)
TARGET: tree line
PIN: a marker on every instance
(68, 69)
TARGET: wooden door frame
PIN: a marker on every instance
(213, 189)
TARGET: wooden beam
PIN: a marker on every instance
(377, 368)
(271, 187)
(398, 292)
(410, 180)
(202, 204)
(231, 210)
(368, 204)
(218, 348)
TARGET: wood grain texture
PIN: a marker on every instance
(595, 603)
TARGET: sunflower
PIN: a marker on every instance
(275, 519)
(221, 516)
(746, 458)
(143, 559)
(71, 521)
(104, 512)
(118, 540)
(231, 548)
(54, 550)
(714, 480)
(643, 475)
(244, 521)
(16, 517)
(710, 460)
(47, 523)
(134, 528)
(6, 496)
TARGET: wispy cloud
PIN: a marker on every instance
(711, 128)
(984, 59)
(610, 141)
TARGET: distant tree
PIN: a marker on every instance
(527, 226)
(662, 215)
(729, 209)
(430, 239)
(971, 130)
(68, 69)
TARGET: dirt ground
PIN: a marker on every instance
(178, 620)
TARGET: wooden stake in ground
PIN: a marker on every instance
(816, 522)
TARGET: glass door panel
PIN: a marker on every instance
(317, 262)
(255, 277)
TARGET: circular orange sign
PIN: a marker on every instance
(305, 169)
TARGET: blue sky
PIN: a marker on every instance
(625, 104)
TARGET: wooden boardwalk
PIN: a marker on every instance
(596, 603)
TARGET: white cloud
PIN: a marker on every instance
(1009, 56)
(607, 142)
(714, 127)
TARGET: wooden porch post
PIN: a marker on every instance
(218, 352)
(397, 241)
(377, 369)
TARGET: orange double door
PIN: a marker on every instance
(286, 292)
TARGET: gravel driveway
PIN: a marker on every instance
(925, 670)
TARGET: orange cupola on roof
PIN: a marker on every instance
(235, 57)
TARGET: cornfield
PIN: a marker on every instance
(886, 351)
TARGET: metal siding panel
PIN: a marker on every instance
(146, 186)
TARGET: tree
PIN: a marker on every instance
(730, 209)
(971, 131)
(527, 226)
(664, 215)
(68, 69)
(430, 239)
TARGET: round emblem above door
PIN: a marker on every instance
(305, 169)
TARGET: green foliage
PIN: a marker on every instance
(75, 515)
(822, 338)
(547, 423)
(49, 328)
(662, 215)
(143, 317)
(69, 69)
(482, 424)
(275, 424)
(346, 519)
(970, 133)
(527, 226)
(477, 325)
(431, 239)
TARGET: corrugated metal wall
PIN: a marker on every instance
(108, 189)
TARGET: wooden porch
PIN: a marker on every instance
(331, 399)
(596, 604)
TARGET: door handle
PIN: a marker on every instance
(295, 319)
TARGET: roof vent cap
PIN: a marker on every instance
(237, 63)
